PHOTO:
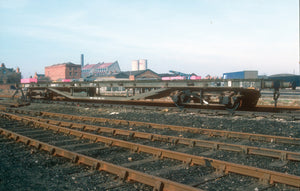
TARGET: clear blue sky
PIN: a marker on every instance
(200, 36)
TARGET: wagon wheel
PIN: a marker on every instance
(235, 103)
(180, 98)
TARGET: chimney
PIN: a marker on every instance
(82, 60)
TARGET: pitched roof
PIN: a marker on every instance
(97, 66)
(89, 66)
(103, 65)
(136, 73)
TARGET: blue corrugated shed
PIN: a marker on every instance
(234, 75)
(247, 74)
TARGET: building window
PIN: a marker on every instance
(70, 73)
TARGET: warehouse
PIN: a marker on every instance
(63, 71)
(293, 79)
(247, 74)
(100, 69)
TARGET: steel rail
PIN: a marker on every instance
(203, 131)
(205, 109)
(275, 153)
(255, 110)
(221, 166)
(125, 174)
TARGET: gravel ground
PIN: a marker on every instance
(259, 125)
(40, 171)
(22, 168)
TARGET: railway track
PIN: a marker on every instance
(12, 103)
(259, 108)
(192, 142)
(291, 113)
(178, 153)
(144, 126)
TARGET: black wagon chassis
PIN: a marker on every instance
(233, 94)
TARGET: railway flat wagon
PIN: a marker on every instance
(230, 93)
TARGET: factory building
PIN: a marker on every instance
(131, 75)
(100, 69)
(139, 75)
(293, 79)
(9, 75)
(138, 65)
(248, 74)
(63, 71)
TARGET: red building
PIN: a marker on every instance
(63, 71)
(9, 75)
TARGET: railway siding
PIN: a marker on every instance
(113, 136)
(202, 131)
(280, 154)
(226, 167)
(124, 174)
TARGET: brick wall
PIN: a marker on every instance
(73, 72)
(55, 72)
(63, 71)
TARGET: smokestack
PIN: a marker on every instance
(82, 60)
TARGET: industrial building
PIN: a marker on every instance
(138, 65)
(63, 71)
(139, 75)
(247, 74)
(293, 79)
(100, 69)
(9, 75)
(131, 75)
